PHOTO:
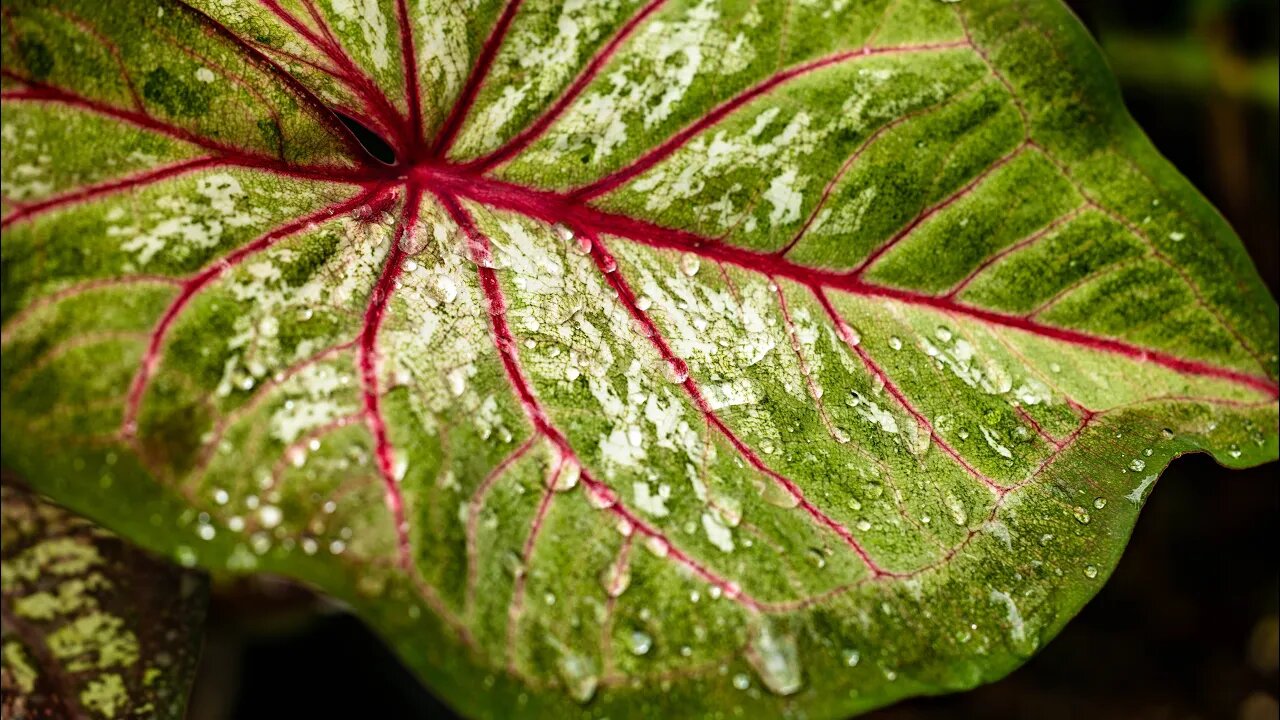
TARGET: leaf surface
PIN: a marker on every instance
(693, 356)
(92, 627)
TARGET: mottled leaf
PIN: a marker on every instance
(691, 357)
(92, 627)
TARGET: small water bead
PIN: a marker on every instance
(1177, 236)
(943, 334)
(269, 516)
(337, 547)
(235, 523)
(677, 371)
(206, 532)
(643, 303)
(895, 343)
(185, 556)
(640, 642)
(1090, 571)
(851, 657)
(411, 265)
(864, 525)
(615, 579)
(1099, 502)
(608, 264)
(306, 314)
(564, 232)
(1082, 516)
(220, 496)
(685, 651)
(1137, 465)
(741, 681)
(689, 264)
(1167, 434)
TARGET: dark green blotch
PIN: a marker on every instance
(176, 97)
(271, 133)
(36, 56)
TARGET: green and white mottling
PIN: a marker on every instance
(92, 627)
(941, 315)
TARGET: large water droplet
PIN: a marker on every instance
(601, 497)
(776, 494)
(689, 264)
(568, 477)
(579, 676)
(774, 656)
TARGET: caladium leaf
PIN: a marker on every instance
(92, 627)
(691, 357)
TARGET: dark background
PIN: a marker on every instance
(1187, 625)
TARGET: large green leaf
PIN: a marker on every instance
(692, 357)
(92, 627)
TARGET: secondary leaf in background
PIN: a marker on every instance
(691, 357)
(92, 627)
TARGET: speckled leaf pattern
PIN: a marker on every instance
(92, 628)
(692, 359)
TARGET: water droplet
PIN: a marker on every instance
(864, 525)
(1177, 236)
(895, 343)
(1137, 465)
(305, 314)
(206, 532)
(689, 264)
(220, 496)
(774, 656)
(608, 264)
(1081, 515)
(568, 477)
(851, 657)
(677, 371)
(874, 489)
(601, 497)
(943, 333)
(615, 579)
(185, 556)
(776, 494)
(640, 642)
(818, 557)
(579, 676)
(658, 546)
(741, 681)
(1167, 434)
(1091, 571)
(564, 232)
(1099, 502)
(643, 303)
(269, 516)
